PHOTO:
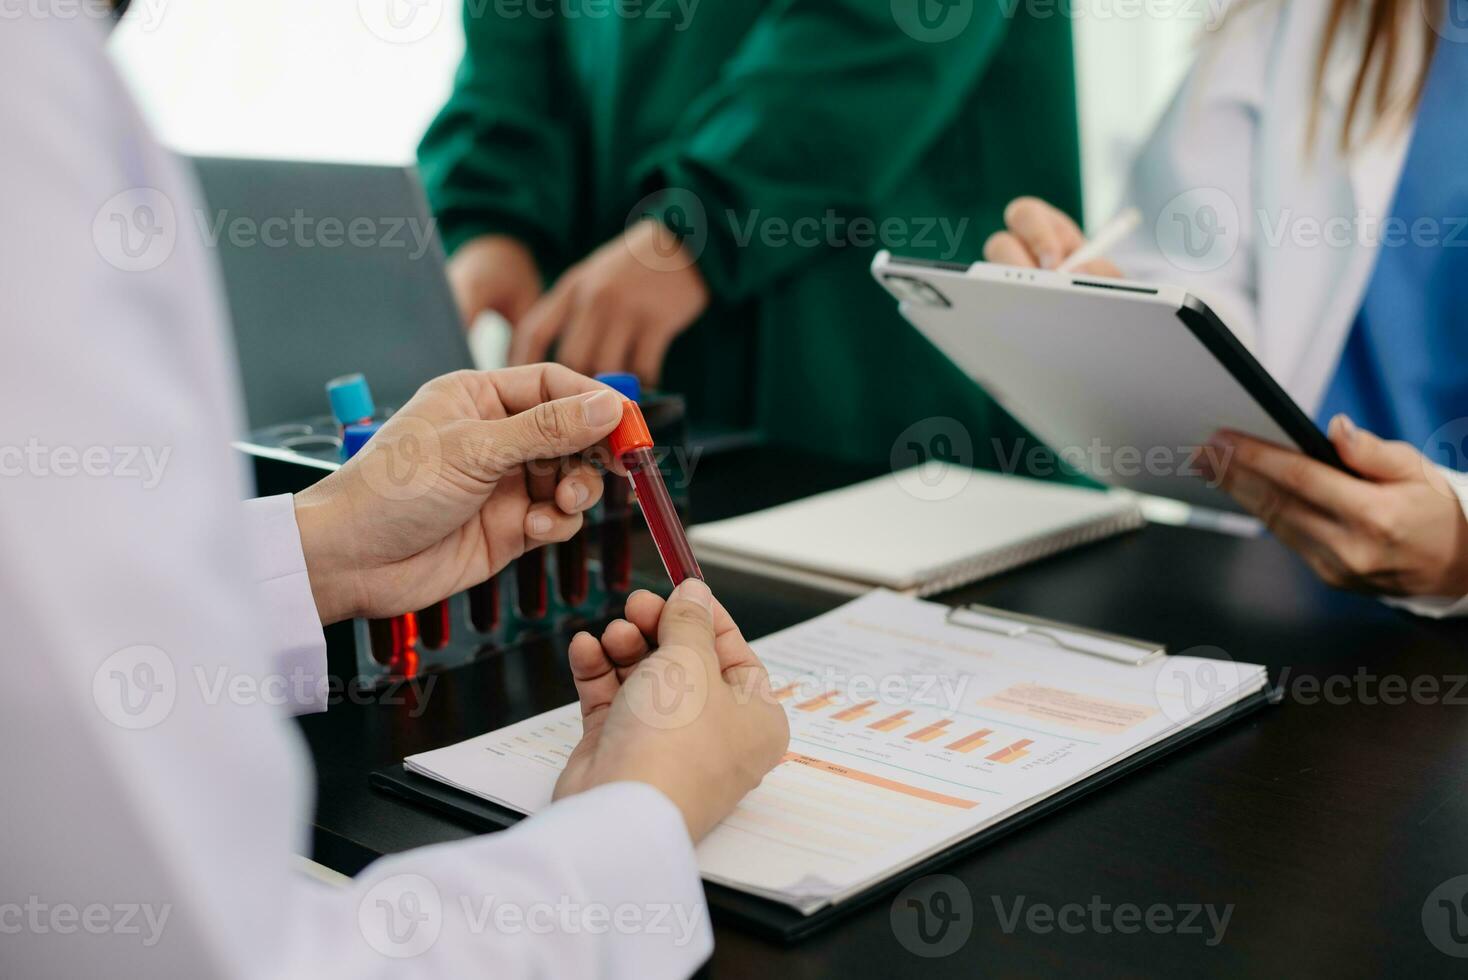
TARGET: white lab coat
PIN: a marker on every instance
(1297, 231)
(154, 791)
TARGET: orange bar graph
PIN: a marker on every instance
(929, 732)
(970, 742)
(890, 722)
(1011, 752)
(854, 712)
(820, 765)
(816, 704)
(785, 692)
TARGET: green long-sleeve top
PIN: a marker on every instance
(791, 140)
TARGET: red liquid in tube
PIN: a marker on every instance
(434, 625)
(484, 606)
(571, 571)
(616, 536)
(532, 594)
(394, 644)
(632, 444)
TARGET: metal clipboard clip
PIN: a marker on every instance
(1077, 639)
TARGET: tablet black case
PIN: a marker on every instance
(780, 922)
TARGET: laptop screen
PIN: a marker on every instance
(328, 269)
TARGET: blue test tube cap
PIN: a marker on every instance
(626, 385)
(351, 399)
(354, 437)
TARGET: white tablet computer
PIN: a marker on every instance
(1123, 379)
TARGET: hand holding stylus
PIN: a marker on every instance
(1039, 235)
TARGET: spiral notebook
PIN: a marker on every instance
(920, 531)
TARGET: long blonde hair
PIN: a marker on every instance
(1385, 39)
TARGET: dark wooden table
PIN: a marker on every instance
(1323, 824)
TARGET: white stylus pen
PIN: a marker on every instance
(1112, 232)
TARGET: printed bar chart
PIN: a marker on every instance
(929, 732)
(785, 692)
(854, 712)
(890, 722)
(1010, 753)
(970, 742)
(816, 704)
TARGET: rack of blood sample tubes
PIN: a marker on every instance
(581, 579)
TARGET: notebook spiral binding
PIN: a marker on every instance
(961, 573)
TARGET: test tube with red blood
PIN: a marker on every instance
(532, 592)
(571, 570)
(394, 642)
(484, 605)
(632, 446)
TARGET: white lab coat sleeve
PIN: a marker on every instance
(295, 643)
(557, 896)
(153, 793)
(1441, 607)
(1193, 179)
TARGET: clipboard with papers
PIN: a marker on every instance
(1077, 639)
(919, 734)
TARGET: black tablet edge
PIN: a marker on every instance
(942, 265)
(775, 920)
(1229, 351)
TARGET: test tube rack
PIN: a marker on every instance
(547, 590)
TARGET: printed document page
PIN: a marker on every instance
(908, 734)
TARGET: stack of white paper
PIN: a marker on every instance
(908, 734)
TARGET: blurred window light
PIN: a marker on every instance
(359, 80)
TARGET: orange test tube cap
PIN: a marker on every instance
(631, 433)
